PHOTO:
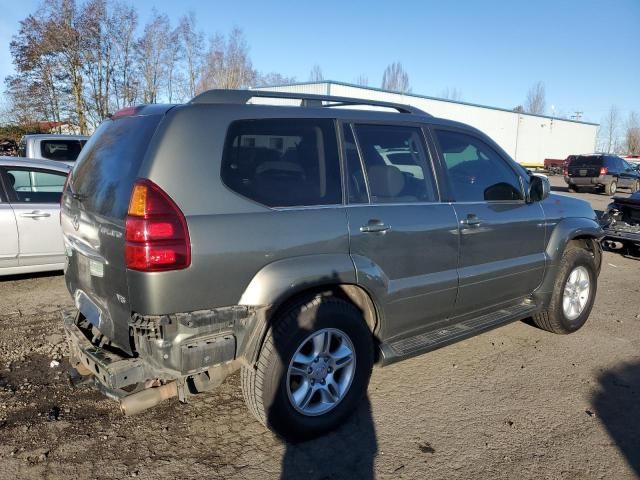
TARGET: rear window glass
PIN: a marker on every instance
(283, 162)
(61, 150)
(586, 161)
(108, 165)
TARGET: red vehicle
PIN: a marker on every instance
(554, 166)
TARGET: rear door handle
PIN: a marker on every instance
(375, 226)
(472, 220)
(35, 214)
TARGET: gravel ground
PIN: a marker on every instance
(516, 402)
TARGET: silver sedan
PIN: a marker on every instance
(30, 234)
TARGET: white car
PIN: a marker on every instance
(31, 238)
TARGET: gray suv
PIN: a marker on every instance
(303, 244)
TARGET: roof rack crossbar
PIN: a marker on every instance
(239, 97)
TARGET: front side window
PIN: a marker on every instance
(396, 163)
(35, 186)
(283, 162)
(476, 172)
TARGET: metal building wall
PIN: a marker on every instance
(529, 139)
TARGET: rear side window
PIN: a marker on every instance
(61, 150)
(108, 165)
(396, 163)
(476, 172)
(283, 162)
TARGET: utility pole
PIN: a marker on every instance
(577, 116)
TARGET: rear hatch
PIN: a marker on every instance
(585, 166)
(94, 207)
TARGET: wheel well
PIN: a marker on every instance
(591, 244)
(351, 293)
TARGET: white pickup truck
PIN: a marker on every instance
(63, 148)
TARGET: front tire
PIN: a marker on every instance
(313, 369)
(573, 293)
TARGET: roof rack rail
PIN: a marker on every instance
(240, 97)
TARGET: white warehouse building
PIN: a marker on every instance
(528, 138)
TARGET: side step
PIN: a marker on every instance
(425, 342)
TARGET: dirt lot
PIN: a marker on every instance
(513, 403)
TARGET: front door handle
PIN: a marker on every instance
(472, 220)
(375, 226)
(35, 214)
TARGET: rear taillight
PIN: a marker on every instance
(603, 171)
(156, 232)
(565, 171)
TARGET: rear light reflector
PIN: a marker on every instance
(603, 170)
(156, 232)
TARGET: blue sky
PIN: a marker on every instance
(586, 52)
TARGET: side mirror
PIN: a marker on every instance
(539, 188)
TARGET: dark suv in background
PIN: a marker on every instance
(604, 172)
(301, 244)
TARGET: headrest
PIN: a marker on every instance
(385, 181)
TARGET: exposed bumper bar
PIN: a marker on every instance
(110, 369)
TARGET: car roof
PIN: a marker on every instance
(30, 162)
(55, 136)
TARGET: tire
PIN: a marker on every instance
(611, 188)
(554, 319)
(267, 388)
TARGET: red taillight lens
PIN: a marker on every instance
(156, 232)
(565, 172)
(603, 170)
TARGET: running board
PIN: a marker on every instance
(425, 342)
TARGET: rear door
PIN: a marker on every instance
(404, 242)
(34, 194)
(93, 212)
(9, 229)
(502, 238)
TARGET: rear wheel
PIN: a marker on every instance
(611, 188)
(313, 369)
(573, 293)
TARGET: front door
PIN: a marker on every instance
(35, 198)
(502, 237)
(403, 241)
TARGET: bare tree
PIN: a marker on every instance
(609, 130)
(395, 78)
(632, 137)
(150, 52)
(362, 80)
(273, 79)
(193, 43)
(316, 74)
(536, 99)
(124, 19)
(227, 63)
(451, 94)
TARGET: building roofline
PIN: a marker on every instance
(409, 94)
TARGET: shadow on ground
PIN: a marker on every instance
(617, 404)
(26, 276)
(348, 452)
